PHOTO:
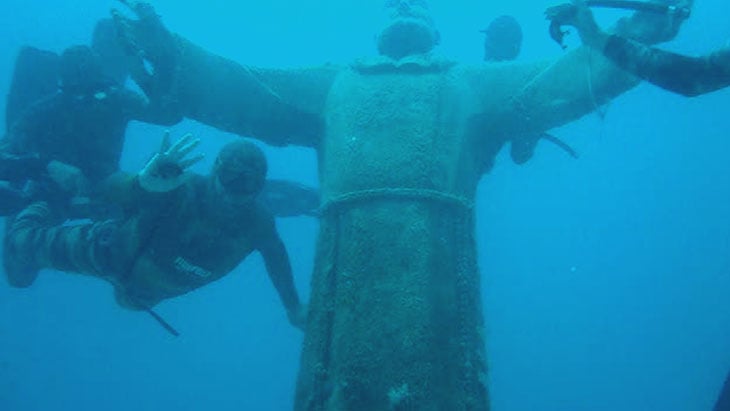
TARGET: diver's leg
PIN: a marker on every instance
(18, 245)
(32, 243)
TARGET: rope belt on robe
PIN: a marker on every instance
(394, 193)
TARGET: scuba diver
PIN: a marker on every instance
(180, 231)
(64, 148)
(502, 43)
(76, 136)
(78, 131)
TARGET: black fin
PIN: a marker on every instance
(35, 77)
(723, 400)
(112, 56)
(289, 199)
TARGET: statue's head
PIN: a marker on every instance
(408, 29)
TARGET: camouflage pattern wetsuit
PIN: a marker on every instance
(169, 244)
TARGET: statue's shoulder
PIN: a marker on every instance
(421, 63)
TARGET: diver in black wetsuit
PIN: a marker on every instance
(66, 119)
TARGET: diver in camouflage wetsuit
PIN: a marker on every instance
(180, 232)
(395, 317)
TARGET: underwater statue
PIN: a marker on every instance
(402, 138)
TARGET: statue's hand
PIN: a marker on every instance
(652, 28)
(150, 46)
(578, 15)
(298, 316)
(562, 14)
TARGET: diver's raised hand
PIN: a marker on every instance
(167, 170)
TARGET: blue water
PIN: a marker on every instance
(606, 280)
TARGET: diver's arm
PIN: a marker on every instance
(688, 76)
(120, 188)
(278, 267)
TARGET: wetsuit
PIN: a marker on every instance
(689, 76)
(83, 130)
(167, 245)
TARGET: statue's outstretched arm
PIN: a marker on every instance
(688, 76)
(279, 107)
(554, 93)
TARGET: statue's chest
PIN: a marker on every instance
(390, 130)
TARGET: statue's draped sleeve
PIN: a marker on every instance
(278, 106)
(531, 98)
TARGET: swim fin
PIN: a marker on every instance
(289, 199)
(35, 76)
(723, 400)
